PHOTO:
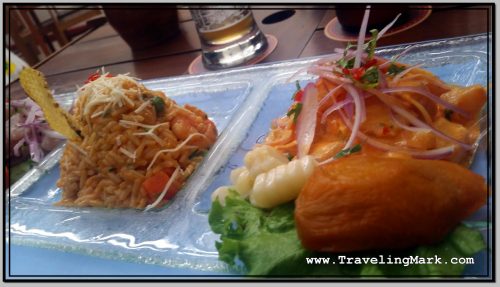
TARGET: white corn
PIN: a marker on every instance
(281, 184)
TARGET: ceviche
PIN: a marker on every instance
(371, 157)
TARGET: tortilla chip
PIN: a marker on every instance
(35, 85)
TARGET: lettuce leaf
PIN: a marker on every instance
(261, 242)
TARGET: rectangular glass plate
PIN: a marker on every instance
(242, 102)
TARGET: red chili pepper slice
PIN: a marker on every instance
(94, 76)
(299, 95)
(357, 73)
(370, 63)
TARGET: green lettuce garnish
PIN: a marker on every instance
(265, 243)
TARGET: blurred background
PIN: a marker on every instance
(65, 38)
(34, 32)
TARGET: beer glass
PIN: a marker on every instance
(229, 35)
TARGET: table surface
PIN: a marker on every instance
(301, 35)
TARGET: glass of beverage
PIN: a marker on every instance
(229, 35)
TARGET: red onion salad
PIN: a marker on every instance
(359, 74)
(27, 127)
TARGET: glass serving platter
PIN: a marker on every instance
(242, 102)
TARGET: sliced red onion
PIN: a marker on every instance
(363, 106)
(326, 161)
(33, 141)
(438, 153)
(325, 68)
(406, 71)
(49, 143)
(52, 134)
(386, 28)
(306, 121)
(381, 62)
(349, 109)
(384, 64)
(357, 114)
(361, 37)
(330, 68)
(330, 93)
(31, 116)
(428, 95)
(36, 151)
(44, 125)
(332, 58)
(18, 146)
(336, 79)
(329, 76)
(345, 103)
(21, 103)
(435, 81)
(406, 127)
(33, 124)
(350, 54)
(382, 81)
(334, 108)
(420, 124)
(17, 103)
(33, 135)
(12, 125)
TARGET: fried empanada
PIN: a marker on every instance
(365, 202)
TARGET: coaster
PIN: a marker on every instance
(334, 31)
(196, 67)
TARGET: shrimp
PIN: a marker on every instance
(189, 120)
